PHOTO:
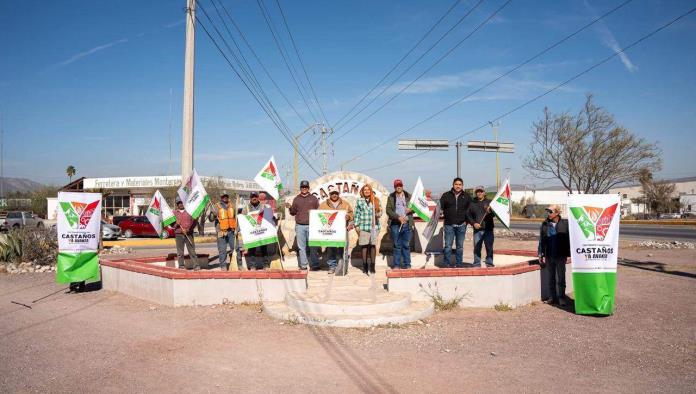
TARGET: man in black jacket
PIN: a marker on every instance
(482, 222)
(455, 207)
(553, 251)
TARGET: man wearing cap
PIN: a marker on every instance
(482, 220)
(553, 252)
(301, 205)
(335, 202)
(257, 258)
(225, 219)
(455, 208)
(183, 232)
(400, 225)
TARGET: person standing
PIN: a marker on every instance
(400, 225)
(367, 214)
(225, 219)
(301, 205)
(455, 208)
(183, 232)
(553, 252)
(335, 202)
(257, 257)
(482, 221)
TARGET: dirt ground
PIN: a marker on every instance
(102, 341)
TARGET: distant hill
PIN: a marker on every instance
(10, 185)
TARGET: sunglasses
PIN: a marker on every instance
(548, 211)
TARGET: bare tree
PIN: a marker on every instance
(658, 195)
(588, 152)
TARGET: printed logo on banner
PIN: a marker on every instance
(594, 221)
(327, 221)
(256, 220)
(155, 208)
(78, 214)
(505, 197)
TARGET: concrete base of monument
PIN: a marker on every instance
(355, 300)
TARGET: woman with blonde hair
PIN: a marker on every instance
(367, 213)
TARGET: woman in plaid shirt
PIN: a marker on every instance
(367, 213)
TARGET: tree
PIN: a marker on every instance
(588, 152)
(71, 171)
(657, 195)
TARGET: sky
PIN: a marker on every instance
(98, 84)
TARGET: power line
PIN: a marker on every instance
(503, 75)
(267, 107)
(304, 69)
(263, 67)
(282, 50)
(394, 67)
(556, 87)
(426, 70)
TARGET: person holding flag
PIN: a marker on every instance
(334, 202)
(225, 218)
(400, 224)
(183, 230)
(257, 257)
(300, 207)
(482, 218)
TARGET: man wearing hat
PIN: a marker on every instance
(183, 231)
(257, 258)
(400, 225)
(225, 219)
(481, 218)
(553, 252)
(301, 205)
(335, 202)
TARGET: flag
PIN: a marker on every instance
(269, 179)
(501, 204)
(594, 248)
(194, 196)
(419, 203)
(258, 228)
(159, 214)
(79, 228)
(430, 229)
(327, 228)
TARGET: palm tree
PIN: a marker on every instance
(71, 171)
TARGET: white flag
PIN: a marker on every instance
(269, 179)
(419, 203)
(501, 205)
(159, 214)
(194, 196)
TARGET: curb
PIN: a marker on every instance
(154, 242)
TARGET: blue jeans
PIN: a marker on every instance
(222, 243)
(402, 245)
(482, 238)
(333, 254)
(302, 234)
(451, 233)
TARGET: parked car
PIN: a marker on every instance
(109, 231)
(139, 226)
(18, 219)
(688, 215)
(116, 220)
(669, 216)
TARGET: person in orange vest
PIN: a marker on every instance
(224, 215)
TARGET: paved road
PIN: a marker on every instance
(637, 231)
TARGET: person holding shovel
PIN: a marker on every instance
(481, 218)
(183, 231)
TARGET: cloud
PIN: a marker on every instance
(507, 88)
(609, 40)
(174, 24)
(88, 52)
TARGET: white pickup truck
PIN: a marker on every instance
(18, 219)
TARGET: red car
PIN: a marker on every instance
(139, 226)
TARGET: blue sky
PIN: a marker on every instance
(88, 83)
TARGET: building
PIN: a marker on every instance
(629, 194)
(131, 195)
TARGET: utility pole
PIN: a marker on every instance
(187, 137)
(325, 132)
(459, 145)
(169, 134)
(2, 158)
(495, 126)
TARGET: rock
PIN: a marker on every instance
(494, 354)
(11, 267)
(3, 269)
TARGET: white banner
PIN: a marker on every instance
(419, 202)
(501, 205)
(194, 196)
(593, 222)
(269, 179)
(258, 228)
(79, 221)
(327, 228)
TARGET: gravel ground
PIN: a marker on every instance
(102, 341)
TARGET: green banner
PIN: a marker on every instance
(594, 293)
(77, 267)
